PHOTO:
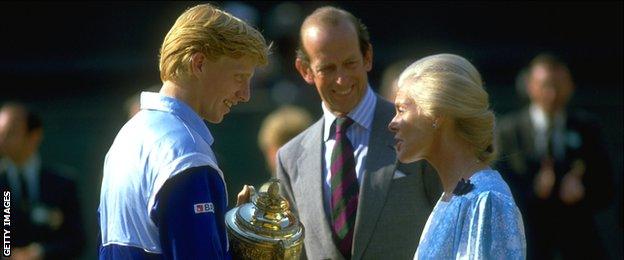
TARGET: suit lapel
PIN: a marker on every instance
(311, 183)
(380, 165)
(572, 129)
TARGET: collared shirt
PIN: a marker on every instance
(31, 175)
(358, 133)
(541, 123)
(164, 139)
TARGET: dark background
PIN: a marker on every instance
(77, 63)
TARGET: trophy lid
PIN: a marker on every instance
(267, 218)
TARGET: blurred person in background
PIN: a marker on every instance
(556, 163)
(278, 128)
(45, 212)
(521, 86)
(341, 175)
(443, 116)
(163, 194)
(390, 77)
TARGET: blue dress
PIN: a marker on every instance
(484, 223)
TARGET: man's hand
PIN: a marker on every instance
(572, 189)
(545, 180)
(245, 195)
(34, 251)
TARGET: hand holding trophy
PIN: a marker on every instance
(264, 228)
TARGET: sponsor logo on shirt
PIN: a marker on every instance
(203, 208)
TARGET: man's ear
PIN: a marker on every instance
(305, 71)
(531, 88)
(35, 138)
(368, 58)
(197, 63)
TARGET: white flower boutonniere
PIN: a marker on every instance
(573, 139)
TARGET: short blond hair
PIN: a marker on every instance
(449, 85)
(282, 125)
(213, 32)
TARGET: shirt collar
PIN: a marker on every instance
(6, 165)
(30, 168)
(157, 101)
(541, 121)
(361, 115)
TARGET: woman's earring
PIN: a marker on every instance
(435, 125)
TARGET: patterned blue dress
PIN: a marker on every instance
(484, 223)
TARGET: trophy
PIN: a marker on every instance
(264, 228)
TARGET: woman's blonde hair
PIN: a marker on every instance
(449, 85)
(213, 32)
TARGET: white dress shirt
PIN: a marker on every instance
(541, 123)
(358, 133)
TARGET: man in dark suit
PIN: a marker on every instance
(556, 164)
(341, 174)
(45, 212)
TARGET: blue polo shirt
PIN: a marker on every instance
(163, 195)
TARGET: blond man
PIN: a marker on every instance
(163, 194)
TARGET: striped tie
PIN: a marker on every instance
(344, 188)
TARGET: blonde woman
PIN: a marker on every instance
(443, 116)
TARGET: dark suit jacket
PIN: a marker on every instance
(58, 198)
(392, 211)
(519, 164)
